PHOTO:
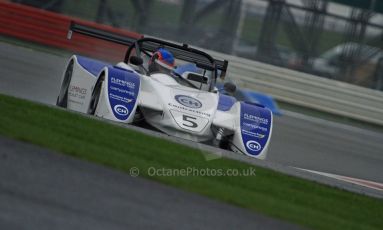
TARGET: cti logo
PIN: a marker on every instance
(121, 110)
(188, 101)
(253, 145)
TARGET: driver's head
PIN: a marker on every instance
(162, 61)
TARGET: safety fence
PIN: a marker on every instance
(307, 90)
(36, 25)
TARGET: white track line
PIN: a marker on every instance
(365, 183)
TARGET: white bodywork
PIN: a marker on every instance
(174, 109)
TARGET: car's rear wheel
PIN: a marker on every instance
(62, 99)
(96, 94)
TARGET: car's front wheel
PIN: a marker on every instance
(62, 99)
(96, 95)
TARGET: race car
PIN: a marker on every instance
(183, 104)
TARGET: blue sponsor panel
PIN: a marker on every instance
(255, 127)
(123, 91)
(225, 102)
(91, 65)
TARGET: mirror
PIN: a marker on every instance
(197, 78)
(229, 87)
(136, 60)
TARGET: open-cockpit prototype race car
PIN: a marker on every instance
(179, 102)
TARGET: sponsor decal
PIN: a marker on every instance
(120, 98)
(122, 91)
(253, 145)
(189, 110)
(253, 134)
(255, 118)
(249, 126)
(259, 135)
(188, 101)
(77, 92)
(123, 83)
(121, 110)
(77, 89)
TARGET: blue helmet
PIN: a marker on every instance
(162, 61)
(164, 56)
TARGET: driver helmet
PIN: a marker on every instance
(162, 61)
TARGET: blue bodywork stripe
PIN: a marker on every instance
(225, 102)
(123, 89)
(91, 65)
(263, 99)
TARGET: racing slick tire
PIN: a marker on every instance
(95, 97)
(62, 99)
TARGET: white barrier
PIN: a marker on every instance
(307, 90)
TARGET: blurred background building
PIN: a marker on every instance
(337, 39)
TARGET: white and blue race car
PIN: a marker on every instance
(183, 104)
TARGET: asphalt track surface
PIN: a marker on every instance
(41, 189)
(297, 141)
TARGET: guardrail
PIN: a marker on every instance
(286, 85)
(51, 29)
(307, 90)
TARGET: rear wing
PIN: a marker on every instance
(100, 34)
(184, 51)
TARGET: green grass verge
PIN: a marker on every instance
(292, 199)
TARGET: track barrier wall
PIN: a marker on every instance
(307, 90)
(48, 28)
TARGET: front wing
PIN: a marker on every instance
(249, 128)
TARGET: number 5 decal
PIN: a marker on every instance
(190, 120)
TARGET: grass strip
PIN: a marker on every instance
(288, 198)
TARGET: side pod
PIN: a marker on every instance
(253, 130)
(115, 94)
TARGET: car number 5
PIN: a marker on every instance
(190, 121)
